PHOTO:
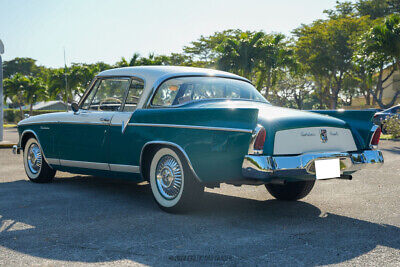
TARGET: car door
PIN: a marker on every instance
(81, 137)
(125, 142)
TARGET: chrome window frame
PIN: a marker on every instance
(127, 92)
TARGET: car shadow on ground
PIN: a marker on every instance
(395, 149)
(88, 219)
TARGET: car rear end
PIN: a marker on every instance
(304, 146)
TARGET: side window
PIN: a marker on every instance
(166, 94)
(89, 98)
(135, 91)
(108, 96)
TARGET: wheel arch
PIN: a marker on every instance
(26, 134)
(150, 147)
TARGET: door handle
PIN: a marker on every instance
(105, 119)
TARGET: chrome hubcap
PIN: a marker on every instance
(34, 158)
(169, 177)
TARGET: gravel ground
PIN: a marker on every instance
(79, 220)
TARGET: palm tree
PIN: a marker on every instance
(14, 88)
(275, 56)
(241, 54)
(35, 91)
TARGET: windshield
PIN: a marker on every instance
(178, 91)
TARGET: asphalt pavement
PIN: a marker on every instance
(80, 220)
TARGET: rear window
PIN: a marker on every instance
(178, 91)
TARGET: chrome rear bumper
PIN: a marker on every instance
(264, 167)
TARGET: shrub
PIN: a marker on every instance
(14, 115)
(392, 126)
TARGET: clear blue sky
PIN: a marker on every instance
(105, 30)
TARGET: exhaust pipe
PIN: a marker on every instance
(346, 177)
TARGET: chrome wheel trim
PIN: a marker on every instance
(168, 177)
(34, 158)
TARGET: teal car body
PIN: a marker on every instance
(215, 136)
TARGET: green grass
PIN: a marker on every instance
(387, 137)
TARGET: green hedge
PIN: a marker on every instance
(392, 126)
(14, 115)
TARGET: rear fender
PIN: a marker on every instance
(214, 139)
(360, 122)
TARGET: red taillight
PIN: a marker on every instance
(376, 137)
(260, 139)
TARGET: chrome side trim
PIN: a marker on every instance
(169, 144)
(124, 168)
(68, 122)
(53, 161)
(104, 122)
(37, 122)
(85, 164)
(191, 127)
(264, 167)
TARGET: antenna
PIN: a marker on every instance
(66, 80)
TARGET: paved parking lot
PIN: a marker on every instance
(86, 220)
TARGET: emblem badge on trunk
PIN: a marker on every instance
(324, 135)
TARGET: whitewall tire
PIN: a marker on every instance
(36, 167)
(172, 182)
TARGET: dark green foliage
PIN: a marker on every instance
(325, 64)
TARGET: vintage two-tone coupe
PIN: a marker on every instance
(183, 129)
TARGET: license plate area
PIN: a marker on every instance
(327, 168)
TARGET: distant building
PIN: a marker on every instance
(391, 86)
(48, 105)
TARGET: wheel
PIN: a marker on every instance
(36, 168)
(174, 186)
(290, 190)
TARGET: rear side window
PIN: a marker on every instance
(178, 91)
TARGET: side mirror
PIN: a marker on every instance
(74, 107)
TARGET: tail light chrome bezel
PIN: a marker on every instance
(256, 132)
(376, 130)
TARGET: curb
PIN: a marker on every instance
(5, 144)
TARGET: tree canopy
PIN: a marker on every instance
(324, 64)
